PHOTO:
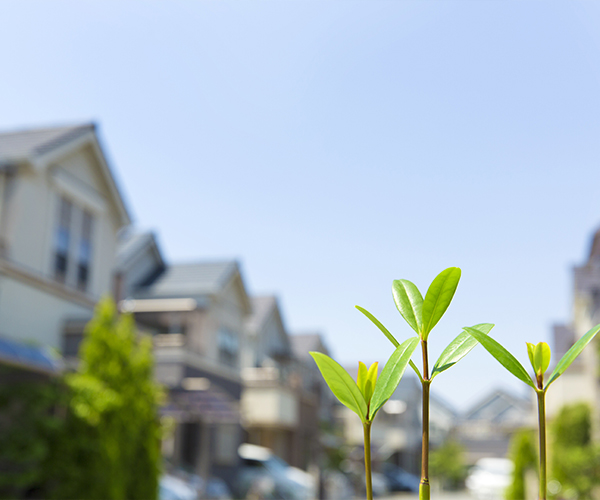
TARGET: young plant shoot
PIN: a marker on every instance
(422, 315)
(539, 356)
(369, 393)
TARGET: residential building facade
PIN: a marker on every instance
(580, 383)
(60, 214)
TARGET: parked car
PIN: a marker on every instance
(400, 480)
(263, 475)
(489, 478)
(175, 488)
(213, 489)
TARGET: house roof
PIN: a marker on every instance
(191, 280)
(28, 143)
(132, 243)
(303, 343)
(261, 309)
(499, 406)
(38, 145)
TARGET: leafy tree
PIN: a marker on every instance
(28, 420)
(110, 447)
(448, 464)
(576, 460)
(523, 452)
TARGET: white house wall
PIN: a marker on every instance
(29, 314)
(29, 221)
(30, 310)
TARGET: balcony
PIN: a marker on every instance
(270, 407)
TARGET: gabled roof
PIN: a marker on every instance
(499, 406)
(40, 146)
(303, 343)
(262, 307)
(24, 144)
(131, 243)
(197, 279)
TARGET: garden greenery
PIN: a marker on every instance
(422, 315)
(539, 356)
(368, 393)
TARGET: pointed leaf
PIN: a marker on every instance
(416, 370)
(378, 324)
(541, 357)
(341, 384)
(391, 374)
(458, 349)
(530, 352)
(409, 302)
(438, 298)
(361, 379)
(571, 354)
(371, 381)
(504, 357)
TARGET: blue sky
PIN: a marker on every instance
(333, 146)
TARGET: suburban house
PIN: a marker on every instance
(196, 313)
(580, 382)
(60, 212)
(270, 399)
(284, 399)
(232, 371)
(486, 428)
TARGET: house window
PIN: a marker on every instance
(85, 251)
(62, 239)
(229, 347)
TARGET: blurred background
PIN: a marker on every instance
(194, 195)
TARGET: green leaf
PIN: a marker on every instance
(378, 324)
(541, 357)
(571, 354)
(371, 381)
(458, 349)
(504, 357)
(361, 378)
(416, 370)
(392, 374)
(341, 384)
(409, 302)
(530, 353)
(438, 298)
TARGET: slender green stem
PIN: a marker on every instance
(424, 486)
(541, 394)
(367, 431)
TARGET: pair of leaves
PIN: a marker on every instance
(366, 379)
(454, 352)
(423, 314)
(509, 362)
(539, 356)
(348, 392)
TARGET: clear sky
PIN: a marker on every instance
(333, 146)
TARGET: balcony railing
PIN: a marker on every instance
(169, 340)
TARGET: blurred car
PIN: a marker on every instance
(213, 489)
(175, 488)
(489, 478)
(263, 475)
(400, 480)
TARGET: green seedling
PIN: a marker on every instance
(539, 355)
(422, 315)
(369, 393)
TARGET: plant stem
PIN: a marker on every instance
(424, 486)
(541, 394)
(367, 431)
